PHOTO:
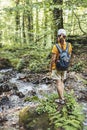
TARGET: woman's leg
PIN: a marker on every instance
(60, 89)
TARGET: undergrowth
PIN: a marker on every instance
(31, 57)
(66, 117)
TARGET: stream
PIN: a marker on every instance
(14, 88)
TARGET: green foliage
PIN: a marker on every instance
(20, 64)
(33, 98)
(67, 117)
(29, 28)
(30, 57)
(78, 66)
(39, 65)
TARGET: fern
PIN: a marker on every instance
(67, 117)
(67, 127)
(58, 125)
(55, 117)
(73, 123)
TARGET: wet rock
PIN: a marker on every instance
(15, 101)
(1, 78)
(20, 94)
(83, 95)
(7, 74)
(4, 87)
(5, 63)
(32, 93)
(3, 119)
(7, 86)
(29, 119)
(4, 100)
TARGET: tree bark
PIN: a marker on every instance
(23, 29)
(17, 20)
(30, 22)
(58, 17)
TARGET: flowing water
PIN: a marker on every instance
(84, 104)
(10, 109)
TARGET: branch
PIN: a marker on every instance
(79, 23)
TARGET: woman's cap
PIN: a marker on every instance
(61, 31)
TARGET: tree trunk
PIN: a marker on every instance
(17, 20)
(23, 30)
(37, 23)
(58, 17)
(30, 22)
(45, 25)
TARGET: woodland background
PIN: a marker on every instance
(28, 29)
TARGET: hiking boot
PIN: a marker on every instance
(61, 101)
(57, 100)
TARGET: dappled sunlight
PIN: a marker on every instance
(4, 3)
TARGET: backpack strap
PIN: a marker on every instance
(67, 47)
(59, 48)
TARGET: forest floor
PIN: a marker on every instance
(76, 80)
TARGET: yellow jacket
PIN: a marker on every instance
(55, 51)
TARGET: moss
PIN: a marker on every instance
(23, 116)
(33, 98)
(41, 122)
(29, 118)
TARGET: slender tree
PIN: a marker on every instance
(57, 16)
(37, 21)
(23, 29)
(30, 20)
(17, 19)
